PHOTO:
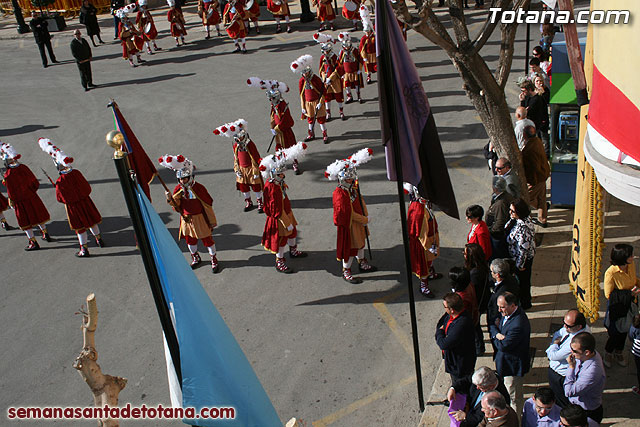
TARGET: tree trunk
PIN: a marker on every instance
(105, 388)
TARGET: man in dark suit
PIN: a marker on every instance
(510, 335)
(475, 387)
(39, 28)
(456, 338)
(81, 51)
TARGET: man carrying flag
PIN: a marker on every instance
(194, 204)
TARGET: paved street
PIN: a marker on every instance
(326, 351)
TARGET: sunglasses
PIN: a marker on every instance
(499, 168)
(512, 211)
(568, 326)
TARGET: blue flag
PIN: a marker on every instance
(421, 155)
(215, 371)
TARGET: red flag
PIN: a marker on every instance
(144, 168)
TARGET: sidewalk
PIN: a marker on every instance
(551, 299)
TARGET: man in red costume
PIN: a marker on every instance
(233, 18)
(146, 26)
(195, 206)
(351, 61)
(279, 9)
(252, 14)
(22, 191)
(73, 190)
(312, 92)
(331, 73)
(246, 162)
(350, 214)
(325, 13)
(424, 240)
(4, 205)
(367, 46)
(130, 38)
(280, 228)
(177, 22)
(208, 12)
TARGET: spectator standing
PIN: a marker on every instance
(504, 282)
(40, 30)
(479, 232)
(539, 53)
(510, 335)
(522, 248)
(483, 381)
(541, 410)
(634, 336)
(536, 171)
(88, 17)
(498, 216)
(575, 416)
(479, 274)
(81, 51)
(542, 87)
(496, 412)
(535, 69)
(621, 287)
(115, 5)
(560, 349)
(537, 110)
(521, 122)
(454, 336)
(461, 284)
(503, 168)
(585, 378)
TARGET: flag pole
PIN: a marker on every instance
(385, 69)
(127, 182)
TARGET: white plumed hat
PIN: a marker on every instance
(231, 129)
(179, 163)
(267, 84)
(7, 152)
(365, 16)
(346, 168)
(302, 63)
(323, 38)
(58, 156)
(276, 163)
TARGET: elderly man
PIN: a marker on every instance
(560, 349)
(536, 171)
(510, 335)
(503, 168)
(455, 337)
(498, 216)
(521, 122)
(504, 282)
(483, 381)
(541, 410)
(496, 412)
(585, 378)
(81, 51)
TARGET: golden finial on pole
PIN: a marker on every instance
(115, 139)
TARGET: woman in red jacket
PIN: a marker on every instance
(479, 232)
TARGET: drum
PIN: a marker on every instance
(350, 10)
(210, 12)
(274, 6)
(249, 4)
(147, 27)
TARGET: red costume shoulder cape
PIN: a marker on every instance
(342, 220)
(22, 187)
(73, 190)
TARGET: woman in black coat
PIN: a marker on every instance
(88, 17)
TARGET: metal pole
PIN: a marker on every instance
(306, 15)
(388, 77)
(527, 46)
(125, 174)
(17, 11)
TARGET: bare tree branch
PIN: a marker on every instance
(506, 54)
(487, 29)
(459, 25)
(435, 32)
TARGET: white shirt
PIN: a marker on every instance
(557, 353)
(519, 130)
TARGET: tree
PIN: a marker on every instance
(484, 88)
(42, 3)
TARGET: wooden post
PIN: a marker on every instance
(574, 54)
(105, 388)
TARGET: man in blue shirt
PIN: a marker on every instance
(541, 410)
(560, 349)
(585, 378)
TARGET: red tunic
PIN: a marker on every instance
(324, 10)
(215, 16)
(73, 190)
(253, 12)
(276, 206)
(176, 18)
(199, 211)
(342, 220)
(142, 19)
(367, 51)
(482, 237)
(236, 30)
(328, 66)
(281, 117)
(415, 220)
(278, 10)
(130, 41)
(313, 90)
(22, 187)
